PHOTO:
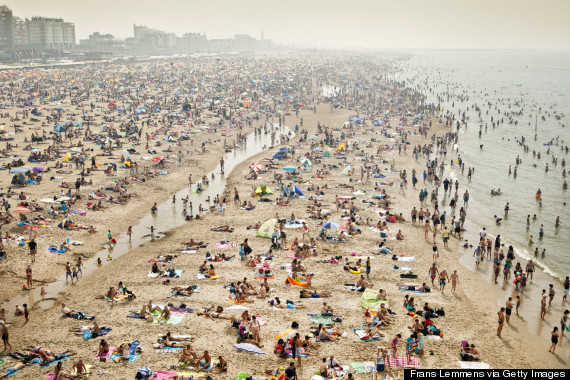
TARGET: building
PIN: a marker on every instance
(148, 38)
(50, 33)
(6, 28)
(194, 43)
(20, 28)
(101, 42)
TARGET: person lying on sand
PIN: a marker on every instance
(183, 290)
(420, 288)
(224, 228)
(218, 314)
(314, 294)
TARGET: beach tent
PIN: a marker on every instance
(346, 171)
(266, 230)
(341, 147)
(263, 189)
(59, 129)
(170, 138)
(67, 157)
(297, 191)
(279, 155)
(327, 154)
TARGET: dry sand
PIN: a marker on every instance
(470, 312)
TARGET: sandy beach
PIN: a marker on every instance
(379, 124)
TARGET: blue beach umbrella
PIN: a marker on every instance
(331, 225)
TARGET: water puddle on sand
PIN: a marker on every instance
(167, 217)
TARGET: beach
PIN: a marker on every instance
(379, 124)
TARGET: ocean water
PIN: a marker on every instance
(528, 85)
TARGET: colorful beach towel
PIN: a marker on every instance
(316, 319)
(167, 350)
(364, 336)
(409, 259)
(402, 361)
(107, 355)
(365, 367)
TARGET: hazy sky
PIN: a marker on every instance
(328, 23)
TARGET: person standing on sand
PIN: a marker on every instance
(433, 271)
(553, 339)
(564, 321)
(32, 245)
(543, 304)
(443, 277)
(551, 293)
(368, 268)
(454, 280)
(130, 232)
(501, 314)
(5, 336)
(509, 309)
(566, 288)
(29, 279)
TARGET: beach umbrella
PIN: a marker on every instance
(63, 199)
(21, 169)
(38, 169)
(35, 150)
(59, 129)
(267, 228)
(331, 225)
(305, 161)
(263, 189)
(256, 166)
(285, 334)
(346, 171)
(158, 158)
(290, 168)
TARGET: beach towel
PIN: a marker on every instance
(295, 282)
(161, 374)
(364, 336)
(365, 367)
(153, 275)
(167, 350)
(188, 251)
(177, 273)
(249, 348)
(401, 361)
(473, 365)
(132, 350)
(369, 301)
(236, 302)
(203, 277)
(410, 259)
(194, 374)
(135, 314)
(185, 310)
(38, 361)
(107, 355)
(175, 318)
(89, 335)
(402, 268)
(413, 291)
(316, 319)
(120, 297)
